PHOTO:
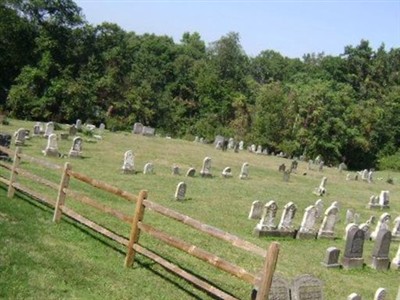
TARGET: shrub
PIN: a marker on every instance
(391, 162)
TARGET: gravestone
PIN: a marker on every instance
(148, 168)
(321, 190)
(289, 211)
(241, 145)
(206, 168)
(259, 149)
(267, 226)
(76, 148)
(191, 172)
(20, 137)
(231, 143)
(219, 139)
(78, 124)
(395, 265)
(5, 141)
(356, 218)
(327, 229)
(384, 199)
(244, 171)
(253, 148)
(307, 230)
(367, 230)
(293, 166)
(227, 172)
(201, 141)
(319, 205)
(342, 166)
(52, 146)
(331, 258)
(354, 296)
(282, 168)
(148, 131)
(380, 253)
(180, 191)
(129, 162)
(49, 129)
(321, 166)
(364, 175)
(310, 164)
(396, 229)
(383, 223)
(256, 210)
(286, 176)
(307, 287)
(219, 145)
(370, 176)
(102, 127)
(349, 216)
(353, 252)
(175, 170)
(371, 220)
(137, 128)
(72, 130)
(36, 129)
(279, 290)
(380, 294)
(196, 139)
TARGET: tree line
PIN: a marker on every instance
(56, 66)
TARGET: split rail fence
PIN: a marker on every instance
(262, 280)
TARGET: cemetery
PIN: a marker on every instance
(334, 243)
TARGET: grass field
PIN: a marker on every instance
(44, 260)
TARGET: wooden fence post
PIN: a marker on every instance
(135, 231)
(61, 194)
(268, 271)
(13, 176)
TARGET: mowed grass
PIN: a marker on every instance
(41, 259)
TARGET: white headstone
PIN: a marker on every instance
(180, 191)
(256, 210)
(244, 171)
(148, 168)
(308, 222)
(49, 129)
(327, 229)
(267, 221)
(128, 165)
(206, 168)
(288, 214)
(383, 223)
(76, 147)
(227, 172)
(52, 146)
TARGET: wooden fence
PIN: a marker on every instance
(262, 281)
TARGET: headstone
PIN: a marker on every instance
(219, 145)
(241, 145)
(227, 172)
(137, 128)
(396, 229)
(236, 148)
(20, 137)
(354, 296)
(129, 162)
(353, 253)
(293, 166)
(36, 129)
(279, 290)
(259, 149)
(78, 124)
(206, 168)
(319, 205)
(356, 218)
(180, 191)
(148, 131)
(364, 175)
(196, 139)
(282, 168)
(371, 220)
(374, 202)
(219, 139)
(380, 253)
(231, 143)
(267, 222)
(286, 176)
(253, 148)
(307, 229)
(191, 172)
(349, 216)
(367, 230)
(5, 141)
(380, 294)
(52, 146)
(310, 164)
(90, 127)
(244, 171)
(76, 148)
(370, 176)
(307, 287)
(256, 210)
(384, 199)
(201, 141)
(72, 130)
(383, 223)
(289, 211)
(321, 190)
(395, 265)
(175, 170)
(342, 166)
(331, 258)
(148, 168)
(327, 229)
(49, 129)
(321, 166)
(102, 127)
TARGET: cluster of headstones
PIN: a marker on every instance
(365, 175)
(355, 237)
(380, 202)
(301, 287)
(316, 162)
(139, 128)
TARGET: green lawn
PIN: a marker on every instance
(44, 260)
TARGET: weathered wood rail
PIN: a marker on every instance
(262, 280)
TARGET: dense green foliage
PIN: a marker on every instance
(56, 66)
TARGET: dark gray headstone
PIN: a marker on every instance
(353, 252)
(191, 172)
(307, 287)
(331, 258)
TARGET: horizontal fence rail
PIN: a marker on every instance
(262, 280)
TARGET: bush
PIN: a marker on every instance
(391, 162)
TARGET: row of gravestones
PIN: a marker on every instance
(307, 287)
(52, 147)
(128, 167)
(354, 248)
(266, 215)
(139, 128)
(365, 175)
(380, 202)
